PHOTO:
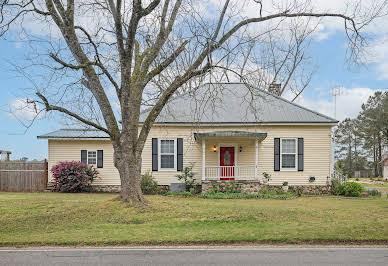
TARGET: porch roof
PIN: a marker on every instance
(230, 134)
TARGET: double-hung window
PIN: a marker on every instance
(92, 157)
(167, 155)
(288, 151)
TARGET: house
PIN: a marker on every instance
(228, 131)
(5, 155)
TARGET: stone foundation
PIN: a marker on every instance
(106, 188)
(256, 186)
(246, 186)
(112, 188)
(311, 189)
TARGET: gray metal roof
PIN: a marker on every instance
(75, 134)
(237, 103)
(231, 134)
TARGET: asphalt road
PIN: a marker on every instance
(196, 256)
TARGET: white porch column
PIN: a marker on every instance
(203, 158)
(256, 157)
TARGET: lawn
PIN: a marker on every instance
(97, 219)
(382, 187)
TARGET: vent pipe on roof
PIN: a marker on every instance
(275, 88)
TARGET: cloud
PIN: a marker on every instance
(378, 55)
(23, 109)
(348, 102)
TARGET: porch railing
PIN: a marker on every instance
(229, 172)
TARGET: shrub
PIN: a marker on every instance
(374, 193)
(219, 195)
(188, 177)
(351, 189)
(232, 187)
(149, 186)
(336, 186)
(73, 177)
(267, 177)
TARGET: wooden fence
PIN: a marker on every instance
(23, 177)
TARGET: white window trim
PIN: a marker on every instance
(296, 156)
(160, 155)
(87, 157)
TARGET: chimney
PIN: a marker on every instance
(275, 88)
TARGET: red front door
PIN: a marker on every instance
(227, 160)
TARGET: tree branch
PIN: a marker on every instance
(157, 70)
(75, 67)
(49, 107)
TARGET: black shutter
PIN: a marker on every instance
(84, 155)
(179, 166)
(100, 158)
(154, 154)
(277, 155)
(300, 154)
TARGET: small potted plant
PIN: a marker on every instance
(266, 178)
(285, 186)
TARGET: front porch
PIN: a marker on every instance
(230, 155)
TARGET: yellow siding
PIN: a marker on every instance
(70, 150)
(317, 148)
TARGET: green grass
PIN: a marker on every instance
(380, 187)
(97, 219)
(385, 185)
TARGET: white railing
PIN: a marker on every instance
(339, 176)
(236, 172)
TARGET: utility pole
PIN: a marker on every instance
(336, 91)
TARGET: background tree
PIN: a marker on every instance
(373, 127)
(131, 54)
(361, 140)
(348, 147)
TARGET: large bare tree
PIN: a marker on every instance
(114, 57)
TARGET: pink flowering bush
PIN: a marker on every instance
(73, 176)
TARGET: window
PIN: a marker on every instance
(167, 157)
(288, 154)
(92, 157)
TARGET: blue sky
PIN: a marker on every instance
(328, 54)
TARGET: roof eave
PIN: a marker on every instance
(323, 123)
(72, 138)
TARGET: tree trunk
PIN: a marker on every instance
(128, 163)
(379, 157)
(374, 155)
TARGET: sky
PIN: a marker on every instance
(328, 51)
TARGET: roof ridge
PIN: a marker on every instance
(275, 96)
(78, 129)
(292, 103)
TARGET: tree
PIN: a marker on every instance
(373, 126)
(348, 147)
(364, 137)
(102, 53)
